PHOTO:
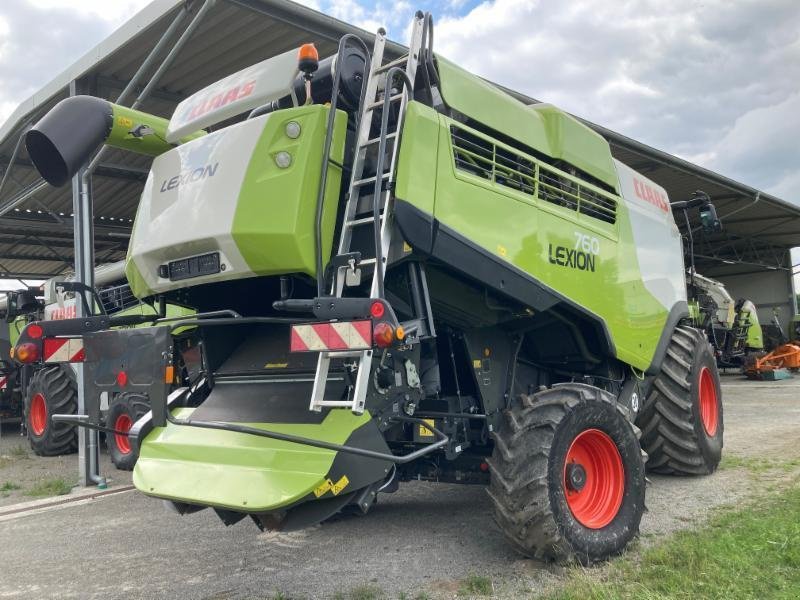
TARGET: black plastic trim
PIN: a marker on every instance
(678, 312)
(61, 142)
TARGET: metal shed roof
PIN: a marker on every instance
(35, 222)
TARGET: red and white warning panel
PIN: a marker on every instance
(3, 382)
(320, 337)
(61, 350)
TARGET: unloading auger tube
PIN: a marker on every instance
(58, 149)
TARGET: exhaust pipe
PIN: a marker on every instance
(64, 139)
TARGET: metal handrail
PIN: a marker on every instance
(326, 156)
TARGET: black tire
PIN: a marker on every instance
(125, 409)
(51, 388)
(673, 431)
(528, 471)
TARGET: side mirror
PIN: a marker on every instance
(19, 303)
(709, 219)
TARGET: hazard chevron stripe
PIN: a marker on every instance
(319, 337)
(3, 382)
(61, 350)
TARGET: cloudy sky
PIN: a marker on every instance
(713, 81)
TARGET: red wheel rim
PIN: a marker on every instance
(709, 407)
(123, 423)
(597, 502)
(38, 414)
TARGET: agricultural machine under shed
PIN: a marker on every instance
(399, 272)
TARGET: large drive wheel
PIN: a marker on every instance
(681, 419)
(567, 475)
(125, 410)
(51, 391)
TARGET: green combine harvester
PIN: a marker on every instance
(732, 328)
(400, 272)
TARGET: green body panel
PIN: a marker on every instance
(417, 163)
(125, 119)
(139, 287)
(276, 210)
(755, 337)
(694, 312)
(15, 328)
(543, 127)
(239, 471)
(519, 228)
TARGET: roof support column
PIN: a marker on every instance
(83, 223)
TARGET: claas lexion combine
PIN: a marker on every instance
(400, 272)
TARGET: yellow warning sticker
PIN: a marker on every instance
(406, 248)
(124, 122)
(340, 485)
(424, 431)
(476, 364)
(326, 485)
(276, 365)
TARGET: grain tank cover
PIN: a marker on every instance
(253, 86)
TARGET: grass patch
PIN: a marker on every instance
(9, 486)
(19, 451)
(751, 552)
(49, 487)
(756, 465)
(362, 592)
(476, 585)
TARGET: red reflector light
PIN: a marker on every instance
(27, 352)
(122, 379)
(383, 335)
(35, 331)
(377, 310)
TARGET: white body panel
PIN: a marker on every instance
(189, 203)
(243, 91)
(726, 307)
(657, 241)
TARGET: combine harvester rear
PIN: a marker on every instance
(400, 273)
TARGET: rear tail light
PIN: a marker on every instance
(27, 352)
(34, 331)
(383, 335)
(377, 310)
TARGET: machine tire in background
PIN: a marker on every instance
(567, 475)
(681, 419)
(51, 391)
(125, 409)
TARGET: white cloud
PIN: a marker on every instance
(115, 11)
(681, 76)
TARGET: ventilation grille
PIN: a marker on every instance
(481, 157)
(116, 299)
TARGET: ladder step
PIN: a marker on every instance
(361, 221)
(367, 261)
(343, 353)
(374, 105)
(389, 136)
(366, 180)
(395, 63)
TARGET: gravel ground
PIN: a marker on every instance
(426, 537)
(21, 469)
